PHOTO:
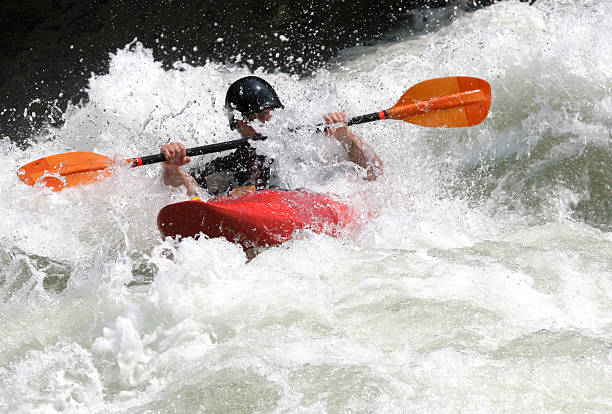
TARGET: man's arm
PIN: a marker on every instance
(358, 151)
(173, 175)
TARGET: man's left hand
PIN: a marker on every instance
(336, 118)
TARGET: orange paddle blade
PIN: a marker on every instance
(65, 170)
(452, 102)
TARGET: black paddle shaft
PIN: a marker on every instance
(361, 119)
(225, 146)
(205, 149)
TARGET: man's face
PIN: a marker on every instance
(246, 129)
(263, 116)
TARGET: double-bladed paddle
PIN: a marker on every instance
(451, 102)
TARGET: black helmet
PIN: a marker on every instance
(250, 95)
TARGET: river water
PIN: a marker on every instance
(481, 280)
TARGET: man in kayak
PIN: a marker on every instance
(255, 99)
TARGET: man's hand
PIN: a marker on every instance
(336, 118)
(358, 151)
(175, 154)
(172, 174)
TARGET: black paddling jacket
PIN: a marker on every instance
(241, 168)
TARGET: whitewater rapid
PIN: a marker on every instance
(481, 281)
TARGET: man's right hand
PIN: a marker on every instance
(173, 175)
(175, 154)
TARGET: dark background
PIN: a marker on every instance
(48, 49)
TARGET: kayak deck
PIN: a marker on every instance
(258, 218)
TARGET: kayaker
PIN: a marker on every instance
(254, 99)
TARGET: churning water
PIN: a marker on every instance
(481, 281)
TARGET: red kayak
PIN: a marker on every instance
(257, 218)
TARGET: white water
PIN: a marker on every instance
(446, 302)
